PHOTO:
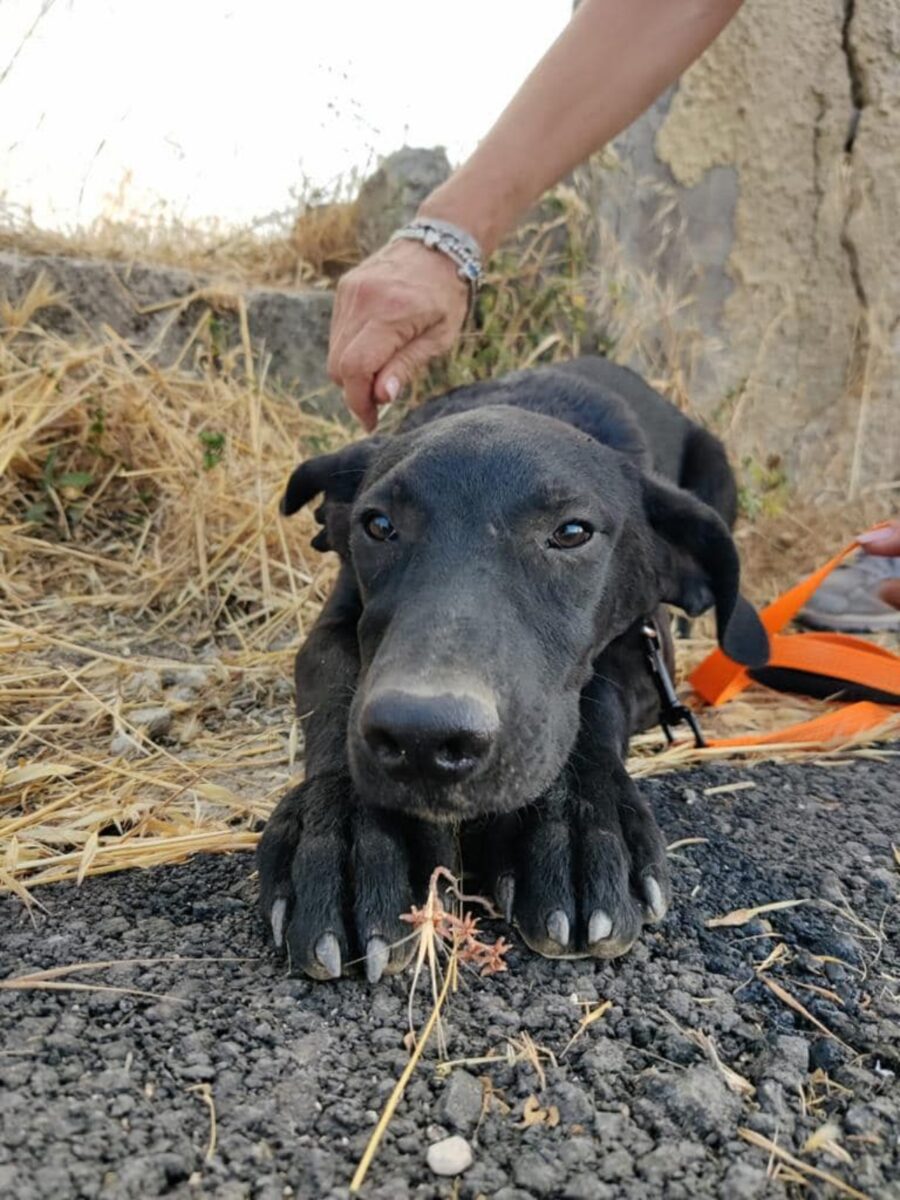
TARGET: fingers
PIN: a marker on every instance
(404, 366)
(890, 592)
(359, 398)
(884, 540)
(392, 314)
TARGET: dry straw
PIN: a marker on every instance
(143, 570)
(151, 598)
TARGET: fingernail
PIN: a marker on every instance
(392, 387)
(881, 534)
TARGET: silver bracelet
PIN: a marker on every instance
(460, 247)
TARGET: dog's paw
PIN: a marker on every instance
(581, 871)
(336, 876)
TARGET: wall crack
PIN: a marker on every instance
(858, 99)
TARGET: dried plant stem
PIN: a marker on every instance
(775, 1151)
(396, 1095)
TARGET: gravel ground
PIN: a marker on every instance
(103, 1093)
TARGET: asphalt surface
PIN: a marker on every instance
(103, 1093)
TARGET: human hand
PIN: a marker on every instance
(395, 311)
(883, 540)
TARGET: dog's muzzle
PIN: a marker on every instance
(433, 738)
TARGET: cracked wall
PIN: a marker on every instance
(765, 188)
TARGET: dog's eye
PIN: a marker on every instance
(379, 527)
(571, 534)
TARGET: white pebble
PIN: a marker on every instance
(451, 1156)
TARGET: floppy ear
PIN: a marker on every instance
(338, 477)
(698, 567)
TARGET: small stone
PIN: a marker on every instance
(451, 1156)
(826, 1055)
(123, 745)
(574, 1104)
(154, 720)
(771, 1098)
(461, 1102)
(533, 1172)
(200, 1071)
(195, 678)
(142, 685)
(587, 1187)
(785, 1059)
(698, 1100)
(391, 196)
(743, 1181)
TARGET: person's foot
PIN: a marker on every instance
(858, 597)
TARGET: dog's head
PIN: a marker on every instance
(497, 552)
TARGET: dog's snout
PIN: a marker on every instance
(441, 738)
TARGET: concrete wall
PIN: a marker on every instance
(766, 188)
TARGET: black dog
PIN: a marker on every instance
(478, 668)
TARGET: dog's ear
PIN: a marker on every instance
(337, 476)
(698, 567)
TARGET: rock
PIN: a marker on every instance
(461, 1102)
(391, 197)
(154, 720)
(860, 1120)
(826, 1055)
(123, 745)
(451, 1156)
(785, 1059)
(587, 1187)
(605, 1057)
(533, 1172)
(574, 1104)
(771, 1098)
(292, 327)
(142, 685)
(669, 1159)
(195, 678)
(697, 1099)
(743, 1181)
(615, 1165)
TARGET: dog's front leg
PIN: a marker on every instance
(584, 868)
(336, 874)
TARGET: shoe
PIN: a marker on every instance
(849, 600)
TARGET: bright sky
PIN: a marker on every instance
(220, 108)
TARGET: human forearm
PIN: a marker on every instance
(611, 61)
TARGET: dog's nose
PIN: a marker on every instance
(441, 738)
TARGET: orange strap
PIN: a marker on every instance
(718, 679)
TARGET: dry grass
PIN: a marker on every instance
(309, 246)
(143, 565)
(139, 541)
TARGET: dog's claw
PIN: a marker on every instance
(328, 953)
(558, 927)
(279, 909)
(599, 926)
(378, 953)
(505, 891)
(656, 903)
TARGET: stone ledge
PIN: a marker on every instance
(289, 329)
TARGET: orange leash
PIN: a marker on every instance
(718, 679)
